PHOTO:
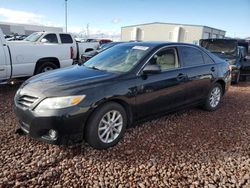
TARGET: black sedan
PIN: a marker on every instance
(99, 100)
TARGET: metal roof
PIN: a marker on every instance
(152, 23)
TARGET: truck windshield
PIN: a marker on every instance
(220, 46)
(118, 59)
(33, 37)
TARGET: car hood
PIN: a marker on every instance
(72, 80)
(19, 42)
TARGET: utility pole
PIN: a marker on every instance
(66, 15)
(87, 28)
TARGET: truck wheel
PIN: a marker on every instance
(44, 67)
(213, 98)
(106, 126)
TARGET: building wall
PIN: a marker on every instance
(25, 29)
(192, 34)
(168, 32)
(212, 33)
(17, 29)
(5, 28)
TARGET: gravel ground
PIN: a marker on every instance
(192, 148)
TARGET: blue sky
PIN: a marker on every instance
(107, 16)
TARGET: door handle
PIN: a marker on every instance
(181, 77)
(212, 69)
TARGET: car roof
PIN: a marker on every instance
(154, 44)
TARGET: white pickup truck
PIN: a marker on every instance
(39, 52)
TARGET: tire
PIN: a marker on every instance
(46, 66)
(213, 105)
(98, 123)
(237, 79)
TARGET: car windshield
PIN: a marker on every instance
(33, 37)
(220, 46)
(107, 46)
(119, 59)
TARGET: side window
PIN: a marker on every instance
(191, 56)
(50, 38)
(66, 39)
(207, 59)
(166, 58)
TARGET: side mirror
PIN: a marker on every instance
(152, 69)
(44, 40)
(244, 59)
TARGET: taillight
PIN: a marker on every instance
(71, 53)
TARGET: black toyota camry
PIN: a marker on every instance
(99, 100)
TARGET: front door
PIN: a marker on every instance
(162, 91)
(3, 66)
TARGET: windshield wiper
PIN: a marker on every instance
(95, 68)
(92, 67)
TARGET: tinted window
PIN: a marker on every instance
(66, 39)
(51, 38)
(207, 59)
(191, 56)
(166, 58)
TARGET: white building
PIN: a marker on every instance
(172, 32)
(25, 29)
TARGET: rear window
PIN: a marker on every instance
(66, 39)
(220, 46)
(191, 56)
(207, 59)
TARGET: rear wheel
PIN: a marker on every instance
(106, 126)
(45, 67)
(214, 97)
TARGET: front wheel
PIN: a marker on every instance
(106, 126)
(214, 98)
(237, 78)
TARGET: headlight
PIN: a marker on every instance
(59, 102)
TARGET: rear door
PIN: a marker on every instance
(163, 91)
(200, 70)
(68, 42)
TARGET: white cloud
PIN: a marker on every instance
(15, 16)
(116, 20)
(94, 32)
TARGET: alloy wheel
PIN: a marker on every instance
(215, 97)
(110, 126)
(46, 69)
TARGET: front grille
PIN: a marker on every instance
(26, 100)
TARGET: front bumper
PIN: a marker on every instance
(68, 124)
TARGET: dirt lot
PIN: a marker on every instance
(193, 148)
